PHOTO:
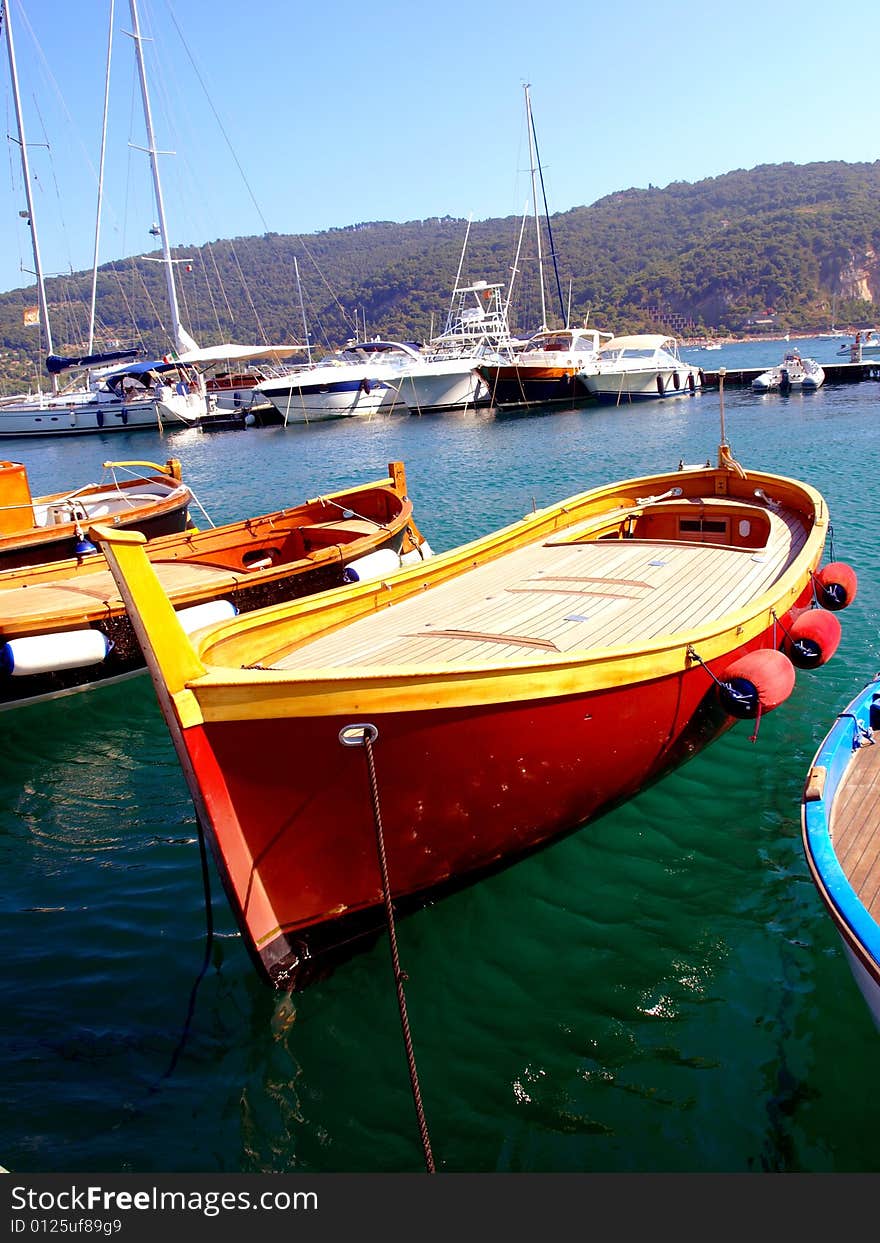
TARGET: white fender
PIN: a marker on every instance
(374, 565)
(48, 653)
(422, 553)
(198, 615)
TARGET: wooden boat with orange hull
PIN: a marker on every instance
(480, 705)
(840, 820)
(35, 530)
(63, 626)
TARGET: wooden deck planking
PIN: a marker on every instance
(721, 584)
(680, 597)
(98, 587)
(578, 596)
(638, 614)
(855, 827)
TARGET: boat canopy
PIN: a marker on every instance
(56, 363)
(384, 347)
(139, 368)
(234, 353)
(210, 354)
(639, 341)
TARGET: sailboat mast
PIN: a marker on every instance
(514, 271)
(302, 311)
(535, 204)
(451, 310)
(100, 185)
(562, 311)
(26, 173)
(182, 339)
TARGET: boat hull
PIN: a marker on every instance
(545, 770)
(310, 403)
(831, 768)
(77, 418)
(652, 385)
(448, 386)
(521, 386)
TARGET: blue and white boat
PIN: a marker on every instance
(344, 384)
(865, 345)
(840, 819)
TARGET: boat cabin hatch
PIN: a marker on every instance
(703, 521)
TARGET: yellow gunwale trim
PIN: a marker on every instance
(247, 694)
(226, 691)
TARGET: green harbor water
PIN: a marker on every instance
(660, 991)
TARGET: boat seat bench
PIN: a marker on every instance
(324, 534)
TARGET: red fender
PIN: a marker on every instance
(836, 585)
(812, 639)
(757, 682)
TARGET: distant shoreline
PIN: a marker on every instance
(792, 336)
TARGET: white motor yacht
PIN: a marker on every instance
(640, 367)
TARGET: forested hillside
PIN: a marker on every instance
(798, 243)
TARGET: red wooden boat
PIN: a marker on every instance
(478, 706)
(63, 626)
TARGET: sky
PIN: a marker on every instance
(292, 118)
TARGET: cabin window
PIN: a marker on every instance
(745, 528)
(703, 525)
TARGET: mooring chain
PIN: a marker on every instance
(365, 735)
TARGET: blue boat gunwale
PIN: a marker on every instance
(835, 753)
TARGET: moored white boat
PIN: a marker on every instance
(866, 344)
(426, 380)
(794, 372)
(642, 366)
(345, 384)
(840, 819)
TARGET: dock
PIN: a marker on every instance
(835, 373)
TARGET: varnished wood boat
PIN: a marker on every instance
(63, 626)
(508, 691)
(34, 530)
(840, 819)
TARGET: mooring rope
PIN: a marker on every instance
(347, 509)
(368, 733)
(206, 959)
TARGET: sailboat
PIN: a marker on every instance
(834, 332)
(549, 366)
(115, 395)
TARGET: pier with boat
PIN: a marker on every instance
(835, 373)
